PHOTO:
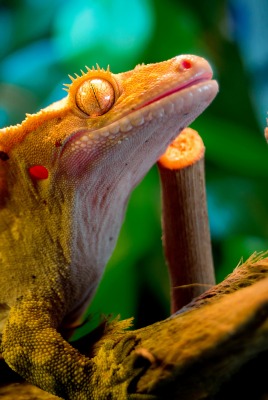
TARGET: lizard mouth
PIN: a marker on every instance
(205, 77)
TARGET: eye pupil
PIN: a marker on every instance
(95, 97)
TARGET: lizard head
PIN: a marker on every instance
(68, 171)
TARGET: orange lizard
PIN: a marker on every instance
(66, 174)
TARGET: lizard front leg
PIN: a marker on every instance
(33, 348)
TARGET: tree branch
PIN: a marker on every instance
(193, 353)
(186, 234)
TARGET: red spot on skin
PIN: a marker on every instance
(38, 172)
(186, 64)
(58, 143)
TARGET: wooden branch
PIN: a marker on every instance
(193, 355)
(186, 235)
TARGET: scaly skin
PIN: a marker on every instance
(66, 174)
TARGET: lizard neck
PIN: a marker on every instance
(100, 202)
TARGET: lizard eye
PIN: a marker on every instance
(95, 97)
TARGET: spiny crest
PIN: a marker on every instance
(83, 74)
(11, 136)
(138, 66)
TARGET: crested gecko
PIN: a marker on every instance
(66, 174)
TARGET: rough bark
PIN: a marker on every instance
(214, 348)
(185, 225)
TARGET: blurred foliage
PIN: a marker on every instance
(43, 42)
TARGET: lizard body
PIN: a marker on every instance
(66, 174)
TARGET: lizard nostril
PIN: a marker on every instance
(186, 64)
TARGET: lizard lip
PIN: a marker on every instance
(207, 76)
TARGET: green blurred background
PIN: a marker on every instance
(44, 41)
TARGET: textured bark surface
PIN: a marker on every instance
(185, 225)
(214, 348)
